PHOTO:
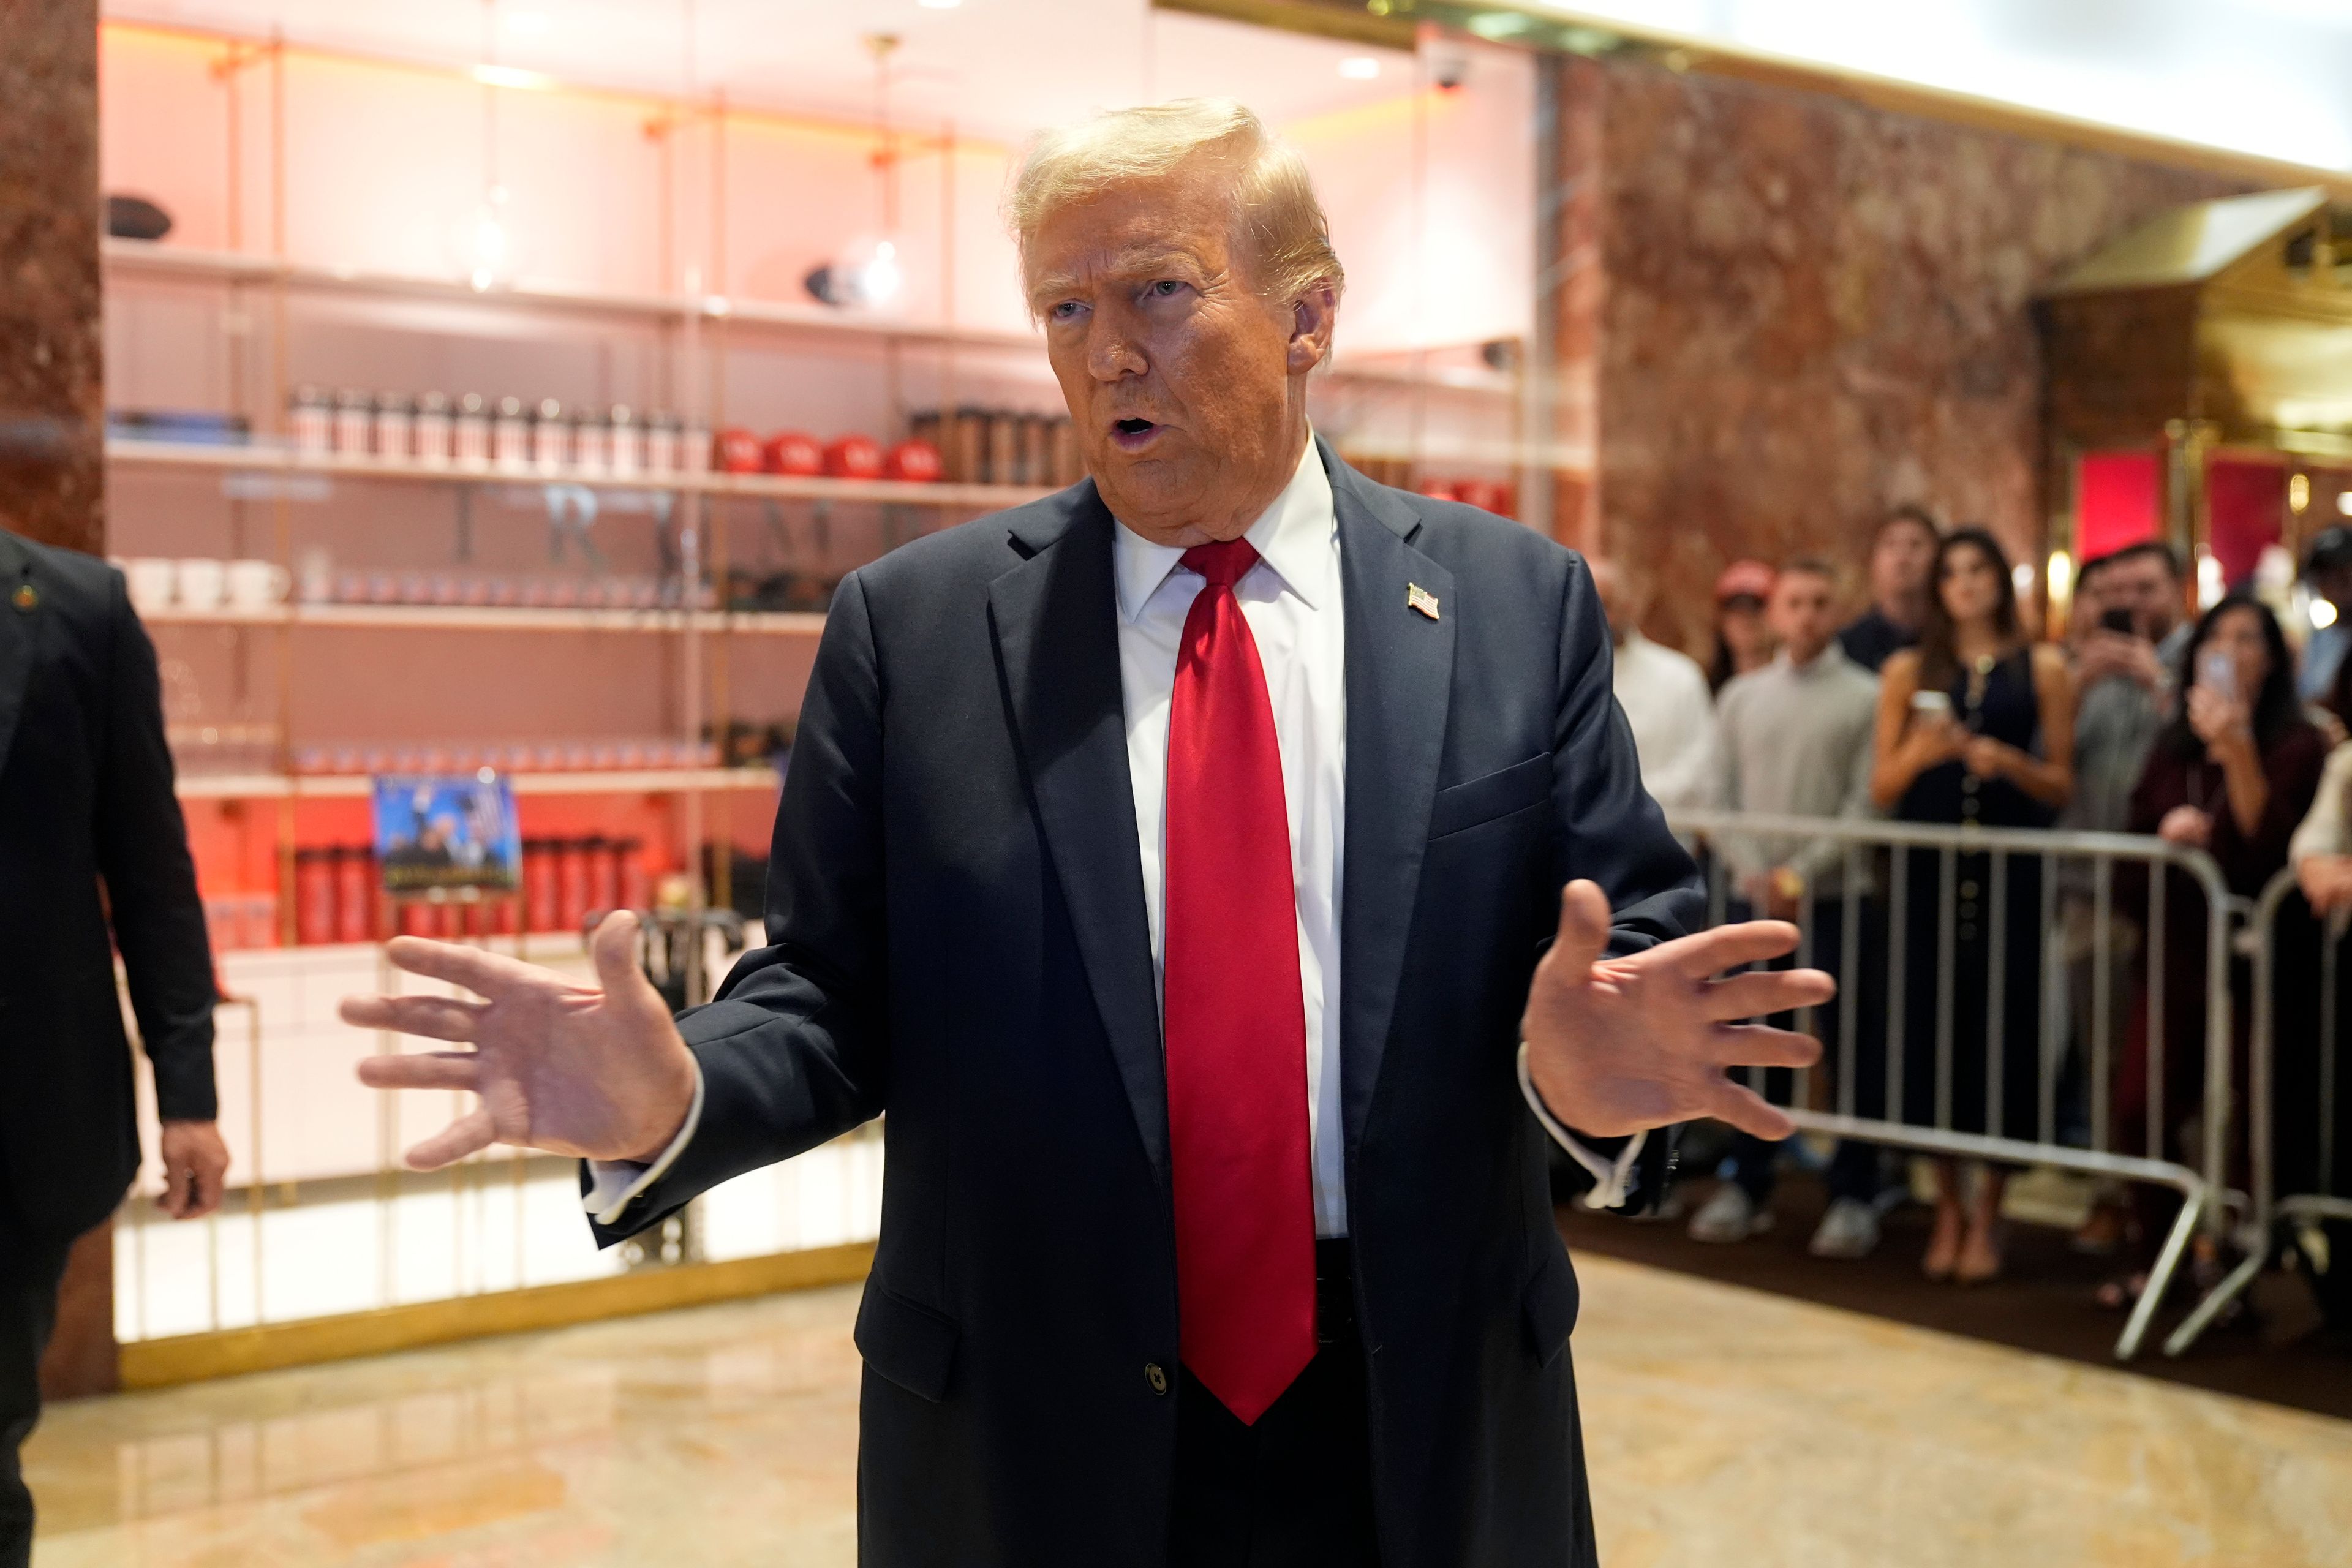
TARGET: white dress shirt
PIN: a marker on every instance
(1291, 600)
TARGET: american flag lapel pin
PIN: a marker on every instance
(1417, 598)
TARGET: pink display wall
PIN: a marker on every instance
(393, 169)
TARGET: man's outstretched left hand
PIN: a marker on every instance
(1617, 1045)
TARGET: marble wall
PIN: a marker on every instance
(53, 420)
(52, 412)
(1809, 310)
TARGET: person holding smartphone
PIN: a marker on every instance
(1975, 725)
(2231, 774)
(2130, 632)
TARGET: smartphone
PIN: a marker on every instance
(2217, 672)
(2117, 621)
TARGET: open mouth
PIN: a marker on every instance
(1133, 435)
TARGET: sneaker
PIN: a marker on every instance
(1729, 1215)
(1848, 1232)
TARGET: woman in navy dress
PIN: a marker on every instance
(1976, 725)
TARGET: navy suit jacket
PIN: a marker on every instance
(957, 919)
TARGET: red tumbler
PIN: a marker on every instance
(315, 876)
(355, 894)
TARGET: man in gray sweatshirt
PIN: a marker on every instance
(1795, 739)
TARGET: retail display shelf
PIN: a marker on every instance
(486, 618)
(349, 786)
(189, 262)
(261, 460)
(185, 261)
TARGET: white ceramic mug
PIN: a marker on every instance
(201, 583)
(149, 578)
(257, 585)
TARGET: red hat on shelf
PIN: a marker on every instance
(916, 461)
(739, 452)
(1744, 580)
(855, 458)
(790, 452)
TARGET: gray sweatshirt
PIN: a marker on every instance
(1797, 741)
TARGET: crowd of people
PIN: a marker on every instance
(1939, 705)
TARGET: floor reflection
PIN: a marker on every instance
(1725, 1426)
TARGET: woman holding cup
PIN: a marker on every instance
(1976, 725)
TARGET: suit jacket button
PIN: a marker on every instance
(1156, 1375)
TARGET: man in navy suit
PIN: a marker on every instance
(1179, 861)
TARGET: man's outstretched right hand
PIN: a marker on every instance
(597, 1071)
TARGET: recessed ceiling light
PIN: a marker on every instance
(529, 22)
(507, 76)
(1360, 67)
(939, 4)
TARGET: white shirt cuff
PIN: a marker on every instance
(1610, 1178)
(613, 1184)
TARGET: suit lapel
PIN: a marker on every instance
(1055, 619)
(1398, 681)
(16, 626)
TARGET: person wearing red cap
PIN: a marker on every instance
(1742, 640)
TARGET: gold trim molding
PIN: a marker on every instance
(1349, 23)
(231, 1352)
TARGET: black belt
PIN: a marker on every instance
(1334, 1292)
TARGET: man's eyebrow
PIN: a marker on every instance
(1140, 260)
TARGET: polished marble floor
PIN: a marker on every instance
(1726, 1427)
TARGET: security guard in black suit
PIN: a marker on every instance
(93, 858)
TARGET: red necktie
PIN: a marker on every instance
(1236, 1027)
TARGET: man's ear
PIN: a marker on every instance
(1312, 316)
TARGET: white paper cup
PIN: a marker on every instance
(202, 583)
(149, 579)
(257, 585)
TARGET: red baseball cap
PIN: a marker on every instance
(1744, 580)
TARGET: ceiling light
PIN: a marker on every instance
(2344, 502)
(2322, 614)
(1360, 67)
(507, 76)
(939, 4)
(531, 24)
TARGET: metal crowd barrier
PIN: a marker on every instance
(1877, 867)
(2268, 1211)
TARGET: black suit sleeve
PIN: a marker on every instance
(1612, 832)
(794, 1051)
(151, 882)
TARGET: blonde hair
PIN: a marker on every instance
(1275, 209)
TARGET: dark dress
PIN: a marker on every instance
(2291, 760)
(1952, 1092)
